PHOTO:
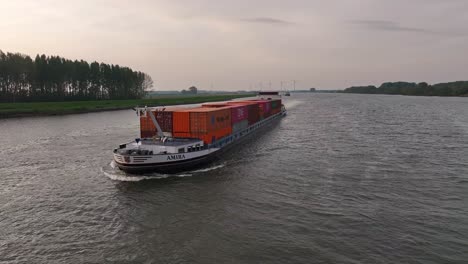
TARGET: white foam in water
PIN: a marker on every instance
(292, 104)
(117, 177)
(210, 168)
(120, 176)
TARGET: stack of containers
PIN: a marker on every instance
(164, 118)
(207, 124)
(265, 108)
(239, 115)
(253, 110)
(212, 121)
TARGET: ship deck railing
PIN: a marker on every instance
(229, 139)
(170, 142)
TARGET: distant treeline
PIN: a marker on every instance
(52, 78)
(406, 88)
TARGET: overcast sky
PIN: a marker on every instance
(233, 45)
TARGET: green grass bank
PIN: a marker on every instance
(10, 110)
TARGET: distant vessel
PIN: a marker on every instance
(174, 140)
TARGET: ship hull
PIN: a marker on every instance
(168, 168)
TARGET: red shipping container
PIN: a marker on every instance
(254, 114)
(164, 120)
(147, 134)
(265, 106)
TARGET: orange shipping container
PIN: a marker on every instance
(182, 135)
(206, 120)
(217, 105)
(181, 121)
(212, 136)
(208, 138)
(239, 112)
(207, 124)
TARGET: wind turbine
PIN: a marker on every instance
(294, 84)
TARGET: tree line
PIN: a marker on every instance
(53, 78)
(459, 88)
(191, 90)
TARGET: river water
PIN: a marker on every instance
(342, 179)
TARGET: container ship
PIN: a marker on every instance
(179, 139)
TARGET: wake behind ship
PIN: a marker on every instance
(174, 140)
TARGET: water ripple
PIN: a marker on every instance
(342, 179)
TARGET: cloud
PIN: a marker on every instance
(267, 20)
(384, 25)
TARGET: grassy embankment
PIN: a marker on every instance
(8, 110)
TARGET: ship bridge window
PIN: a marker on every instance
(193, 148)
(181, 150)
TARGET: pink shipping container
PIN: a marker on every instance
(267, 107)
(239, 113)
(253, 110)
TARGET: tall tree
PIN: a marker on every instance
(54, 78)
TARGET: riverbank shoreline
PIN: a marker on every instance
(19, 110)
